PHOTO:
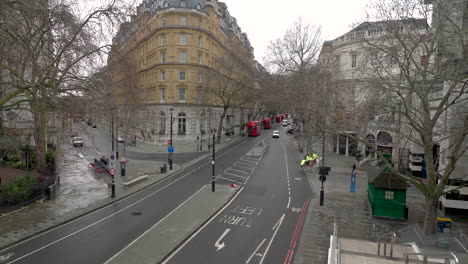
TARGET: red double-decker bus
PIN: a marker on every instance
(253, 128)
(278, 119)
(266, 123)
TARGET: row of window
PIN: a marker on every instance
(182, 40)
(182, 94)
(182, 76)
(182, 21)
(182, 57)
(424, 60)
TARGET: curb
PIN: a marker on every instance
(2, 248)
(19, 241)
(200, 226)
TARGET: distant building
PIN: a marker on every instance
(172, 44)
(348, 58)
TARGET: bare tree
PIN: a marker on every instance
(231, 80)
(305, 84)
(415, 72)
(48, 49)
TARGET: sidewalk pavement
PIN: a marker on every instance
(348, 210)
(149, 146)
(159, 144)
(80, 190)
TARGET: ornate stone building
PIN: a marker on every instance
(171, 46)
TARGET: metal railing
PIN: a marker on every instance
(381, 239)
(448, 257)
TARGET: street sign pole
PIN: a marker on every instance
(353, 179)
(213, 162)
(112, 155)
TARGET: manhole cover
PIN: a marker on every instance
(136, 213)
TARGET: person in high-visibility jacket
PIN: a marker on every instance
(308, 158)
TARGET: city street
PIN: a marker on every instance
(103, 233)
(263, 224)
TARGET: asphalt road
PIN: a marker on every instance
(96, 237)
(263, 224)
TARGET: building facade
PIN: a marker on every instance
(352, 60)
(165, 54)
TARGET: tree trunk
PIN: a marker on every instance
(430, 215)
(40, 123)
(220, 125)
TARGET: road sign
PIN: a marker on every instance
(169, 142)
(170, 149)
(112, 172)
(112, 161)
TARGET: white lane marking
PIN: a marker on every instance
(6, 257)
(201, 228)
(235, 175)
(217, 244)
(243, 165)
(276, 224)
(253, 254)
(97, 222)
(289, 201)
(248, 161)
(81, 156)
(237, 171)
(242, 168)
(146, 232)
(251, 159)
(229, 179)
(272, 238)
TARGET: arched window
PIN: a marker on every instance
(166, 4)
(182, 123)
(197, 6)
(162, 123)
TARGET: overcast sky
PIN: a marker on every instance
(266, 20)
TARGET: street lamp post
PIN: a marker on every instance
(209, 127)
(170, 142)
(113, 178)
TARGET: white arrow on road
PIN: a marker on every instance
(217, 244)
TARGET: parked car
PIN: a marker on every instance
(285, 123)
(94, 125)
(77, 142)
(276, 134)
(290, 130)
(120, 139)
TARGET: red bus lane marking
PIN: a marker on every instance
(295, 236)
(297, 226)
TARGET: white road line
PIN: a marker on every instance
(248, 161)
(243, 164)
(237, 171)
(253, 254)
(201, 228)
(289, 202)
(93, 224)
(235, 175)
(249, 158)
(146, 232)
(230, 180)
(242, 168)
(272, 238)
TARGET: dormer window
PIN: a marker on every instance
(183, 4)
(166, 4)
(198, 6)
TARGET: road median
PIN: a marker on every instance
(161, 239)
